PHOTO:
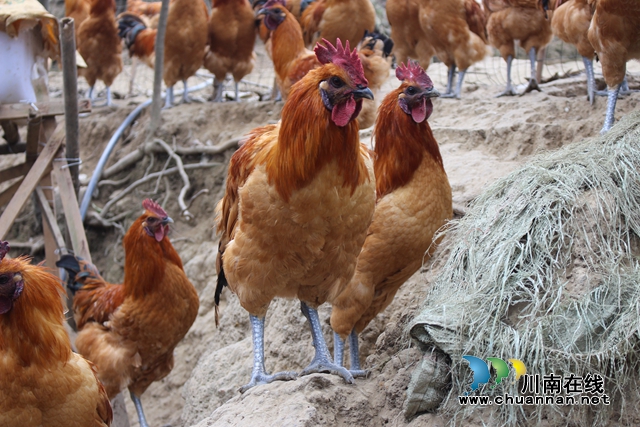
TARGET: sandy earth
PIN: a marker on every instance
(481, 138)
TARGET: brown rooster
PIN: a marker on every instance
(522, 20)
(99, 45)
(300, 196)
(231, 37)
(130, 330)
(414, 201)
(184, 45)
(42, 382)
(615, 35)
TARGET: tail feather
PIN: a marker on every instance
(129, 26)
(222, 281)
(80, 272)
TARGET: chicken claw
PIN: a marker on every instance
(259, 375)
(338, 354)
(321, 362)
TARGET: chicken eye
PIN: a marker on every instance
(411, 90)
(336, 82)
(151, 220)
(4, 279)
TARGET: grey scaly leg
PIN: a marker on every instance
(533, 81)
(109, 101)
(90, 95)
(321, 361)
(217, 90)
(185, 94)
(259, 374)
(461, 75)
(591, 81)
(338, 354)
(449, 93)
(168, 100)
(138, 405)
(237, 96)
(509, 91)
(611, 108)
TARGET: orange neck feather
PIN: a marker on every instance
(401, 145)
(145, 260)
(33, 329)
(145, 43)
(308, 140)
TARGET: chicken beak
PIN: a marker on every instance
(261, 12)
(362, 93)
(167, 220)
(431, 93)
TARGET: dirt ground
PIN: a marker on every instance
(481, 139)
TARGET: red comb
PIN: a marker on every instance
(342, 57)
(4, 248)
(154, 208)
(413, 72)
(272, 3)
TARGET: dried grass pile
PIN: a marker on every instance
(543, 268)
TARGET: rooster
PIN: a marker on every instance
(614, 35)
(184, 45)
(42, 382)
(299, 199)
(374, 51)
(291, 59)
(130, 330)
(99, 45)
(414, 201)
(346, 20)
(521, 20)
(231, 40)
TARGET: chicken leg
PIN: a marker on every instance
(611, 108)
(259, 374)
(217, 90)
(109, 99)
(185, 94)
(321, 361)
(509, 91)
(449, 93)
(168, 100)
(591, 80)
(354, 353)
(533, 81)
(136, 401)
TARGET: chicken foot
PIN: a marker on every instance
(259, 374)
(321, 362)
(354, 353)
(509, 91)
(611, 108)
(533, 81)
(138, 404)
(450, 93)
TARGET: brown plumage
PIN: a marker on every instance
(99, 44)
(78, 10)
(231, 39)
(522, 20)
(346, 20)
(414, 201)
(42, 382)
(291, 59)
(299, 199)
(130, 330)
(408, 39)
(614, 33)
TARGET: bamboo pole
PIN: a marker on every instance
(70, 82)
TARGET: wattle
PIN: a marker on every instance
(343, 112)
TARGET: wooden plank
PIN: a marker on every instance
(7, 194)
(19, 147)
(15, 171)
(42, 109)
(38, 169)
(50, 219)
(33, 138)
(71, 210)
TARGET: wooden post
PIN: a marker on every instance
(156, 104)
(70, 82)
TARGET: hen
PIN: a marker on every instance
(374, 51)
(231, 39)
(291, 59)
(614, 33)
(130, 330)
(299, 199)
(99, 45)
(521, 20)
(184, 46)
(42, 382)
(414, 201)
(346, 20)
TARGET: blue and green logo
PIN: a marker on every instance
(482, 374)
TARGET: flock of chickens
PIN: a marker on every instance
(309, 212)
